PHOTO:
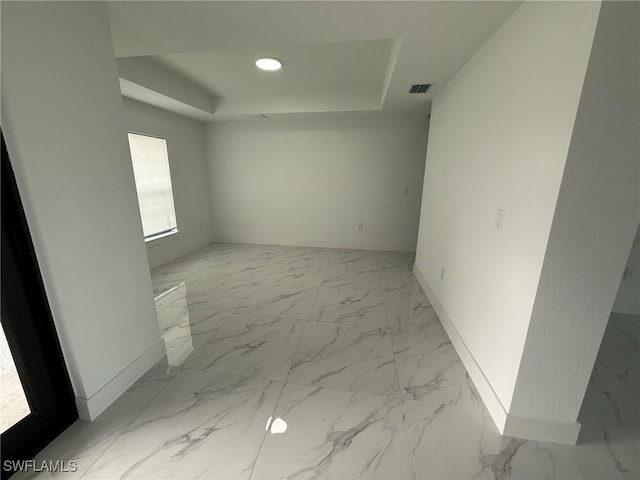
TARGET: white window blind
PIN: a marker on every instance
(153, 182)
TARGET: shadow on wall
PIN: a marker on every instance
(628, 297)
(613, 393)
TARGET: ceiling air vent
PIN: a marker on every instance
(419, 88)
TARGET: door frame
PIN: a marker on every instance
(31, 334)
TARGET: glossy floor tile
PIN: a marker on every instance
(353, 306)
(429, 368)
(345, 357)
(343, 277)
(613, 394)
(202, 425)
(406, 303)
(261, 347)
(300, 363)
(336, 435)
(450, 442)
(84, 442)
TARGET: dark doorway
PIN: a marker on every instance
(33, 363)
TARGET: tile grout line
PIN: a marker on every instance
(284, 384)
(266, 432)
(297, 350)
(336, 389)
(390, 333)
(406, 429)
(402, 399)
(126, 426)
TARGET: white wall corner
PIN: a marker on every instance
(594, 224)
(90, 408)
(72, 75)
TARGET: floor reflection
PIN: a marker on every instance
(173, 318)
(342, 352)
(276, 426)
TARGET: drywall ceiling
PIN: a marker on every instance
(340, 58)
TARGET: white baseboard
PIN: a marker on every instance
(508, 425)
(542, 430)
(90, 408)
(490, 399)
(364, 245)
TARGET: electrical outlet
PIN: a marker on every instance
(442, 273)
(405, 190)
(360, 227)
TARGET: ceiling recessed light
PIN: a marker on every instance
(268, 63)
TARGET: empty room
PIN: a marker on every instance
(320, 240)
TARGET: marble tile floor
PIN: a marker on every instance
(312, 363)
(613, 394)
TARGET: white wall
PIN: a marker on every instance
(187, 162)
(594, 224)
(311, 182)
(63, 120)
(500, 132)
(153, 76)
(628, 297)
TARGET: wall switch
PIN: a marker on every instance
(360, 227)
(499, 219)
(442, 273)
(405, 190)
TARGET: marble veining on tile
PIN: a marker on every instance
(204, 424)
(287, 301)
(357, 258)
(613, 394)
(429, 367)
(299, 363)
(186, 320)
(84, 442)
(394, 263)
(345, 357)
(229, 286)
(349, 276)
(409, 306)
(336, 435)
(295, 275)
(350, 306)
(261, 347)
(450, 442)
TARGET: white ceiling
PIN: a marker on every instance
(340, 58)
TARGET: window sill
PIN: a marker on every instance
(161, 238)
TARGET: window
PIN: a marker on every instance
(153, 182)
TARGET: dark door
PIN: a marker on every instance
(38, 403)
